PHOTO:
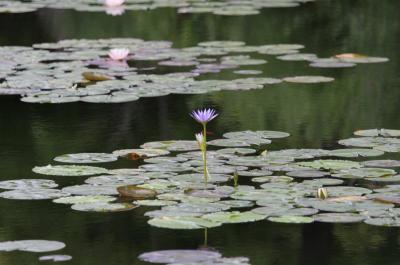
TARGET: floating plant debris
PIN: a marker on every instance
(31, 245)
(81, 70)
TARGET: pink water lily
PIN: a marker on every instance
(113, 2)
(115, 10)
(118, 54)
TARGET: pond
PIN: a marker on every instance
(316, 116)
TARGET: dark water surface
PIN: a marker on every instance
(367, 96)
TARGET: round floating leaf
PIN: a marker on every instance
(382, 163)
(308, 79)
(385, 221)
(330, 164)
(69, 170)
(84, 199)
(140, 153)
(103, 207)
(237, 203)
(340, 191)
(234, 217)
(357, 173)
(378, 132)
(306, 174)
(272, 179)
(339, 218)
(154, 202)
(116, 180)
(31, 245)
(370, 142)
(86, 158)
(179, 256)
(196, 207)
(182, 222)
(55, 258)
(290, 219)
(33, 194)
(355, 152)
(21, 184)
(385, 179)
(88, 189)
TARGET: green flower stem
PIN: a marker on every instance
(205, 236)
(204, 151)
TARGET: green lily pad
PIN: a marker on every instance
(85, 158)
(181, 222)
(103, 207)
(291, 219)
(92, 190)
(378, 132)
(33, 194)
(330, 164)
(180, 256)
(355, 152)
(338, 218)
(31, 245)
(358, 173)
(385, 221)
(69, 170)
(154, 202)
(234, 217)
(382, 163)
(139, 153)
(308, 79)
(84, 199)
(19, 184)
(55, 258)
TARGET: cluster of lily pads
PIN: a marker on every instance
(279, 185)
(81, 70)
(217, 7)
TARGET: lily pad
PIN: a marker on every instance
(69, 170)
(84, 158)
(182, 222)
(84, 199)
(33, 194)
(103, 207)
(338, 218)
(291, 219)
(55, 258)
(382, 163)
(308, 79)
(179, 256)
(234, 217)
(31, 245)
(330, 164)
(21, 184)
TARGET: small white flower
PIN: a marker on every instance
(118, 54)
(199, 139)
(322, 193)
(113, 2)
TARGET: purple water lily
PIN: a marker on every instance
(205, 115)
